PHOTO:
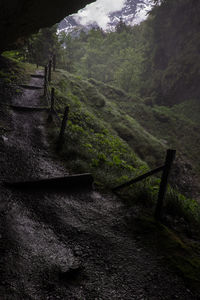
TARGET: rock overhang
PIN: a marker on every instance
(21, 18)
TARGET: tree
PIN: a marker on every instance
(41, 46)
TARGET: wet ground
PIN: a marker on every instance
(67, 245)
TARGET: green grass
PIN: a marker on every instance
(13, 70)
(174, 127)
(91, 142)
(114, 137)
(177, 255)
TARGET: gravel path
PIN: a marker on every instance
(56, 245)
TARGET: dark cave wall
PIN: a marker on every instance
(20, 18)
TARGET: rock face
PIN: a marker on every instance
(20, 18)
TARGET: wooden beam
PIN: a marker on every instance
(59, 183)
(139, 178)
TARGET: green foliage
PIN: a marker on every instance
(157, 59)
(114, 57)
(173, 70)
(13, 70)
(100, 150)
(41, 46)
(13, 55)
(110, 140)
(178, 205)
(176, 254)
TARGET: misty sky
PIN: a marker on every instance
(98, 11)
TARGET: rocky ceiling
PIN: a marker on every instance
(20, 18)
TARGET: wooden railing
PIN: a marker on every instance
(166, 168)
(49, 94)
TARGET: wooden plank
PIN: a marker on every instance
(31, 87)
(28, 108)
(170, 156)
(139, 178)
(72, 181)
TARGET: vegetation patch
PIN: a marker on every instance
(113, 144)
(176, 253)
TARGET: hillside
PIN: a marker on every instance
(145, 132)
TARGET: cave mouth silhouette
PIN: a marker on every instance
(21, 18)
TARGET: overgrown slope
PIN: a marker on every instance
(100, 111)
(107, 135)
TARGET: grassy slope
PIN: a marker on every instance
(108, 107)
(108, 133)
(148, 130)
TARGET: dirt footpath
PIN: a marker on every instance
(62, 245)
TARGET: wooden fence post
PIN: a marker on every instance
(52, 99)
(54, 62)
(163, 184)
(45, 80)
(49, 75)
(62, 129)
(51, 112)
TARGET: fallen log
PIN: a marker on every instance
(68, 182)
